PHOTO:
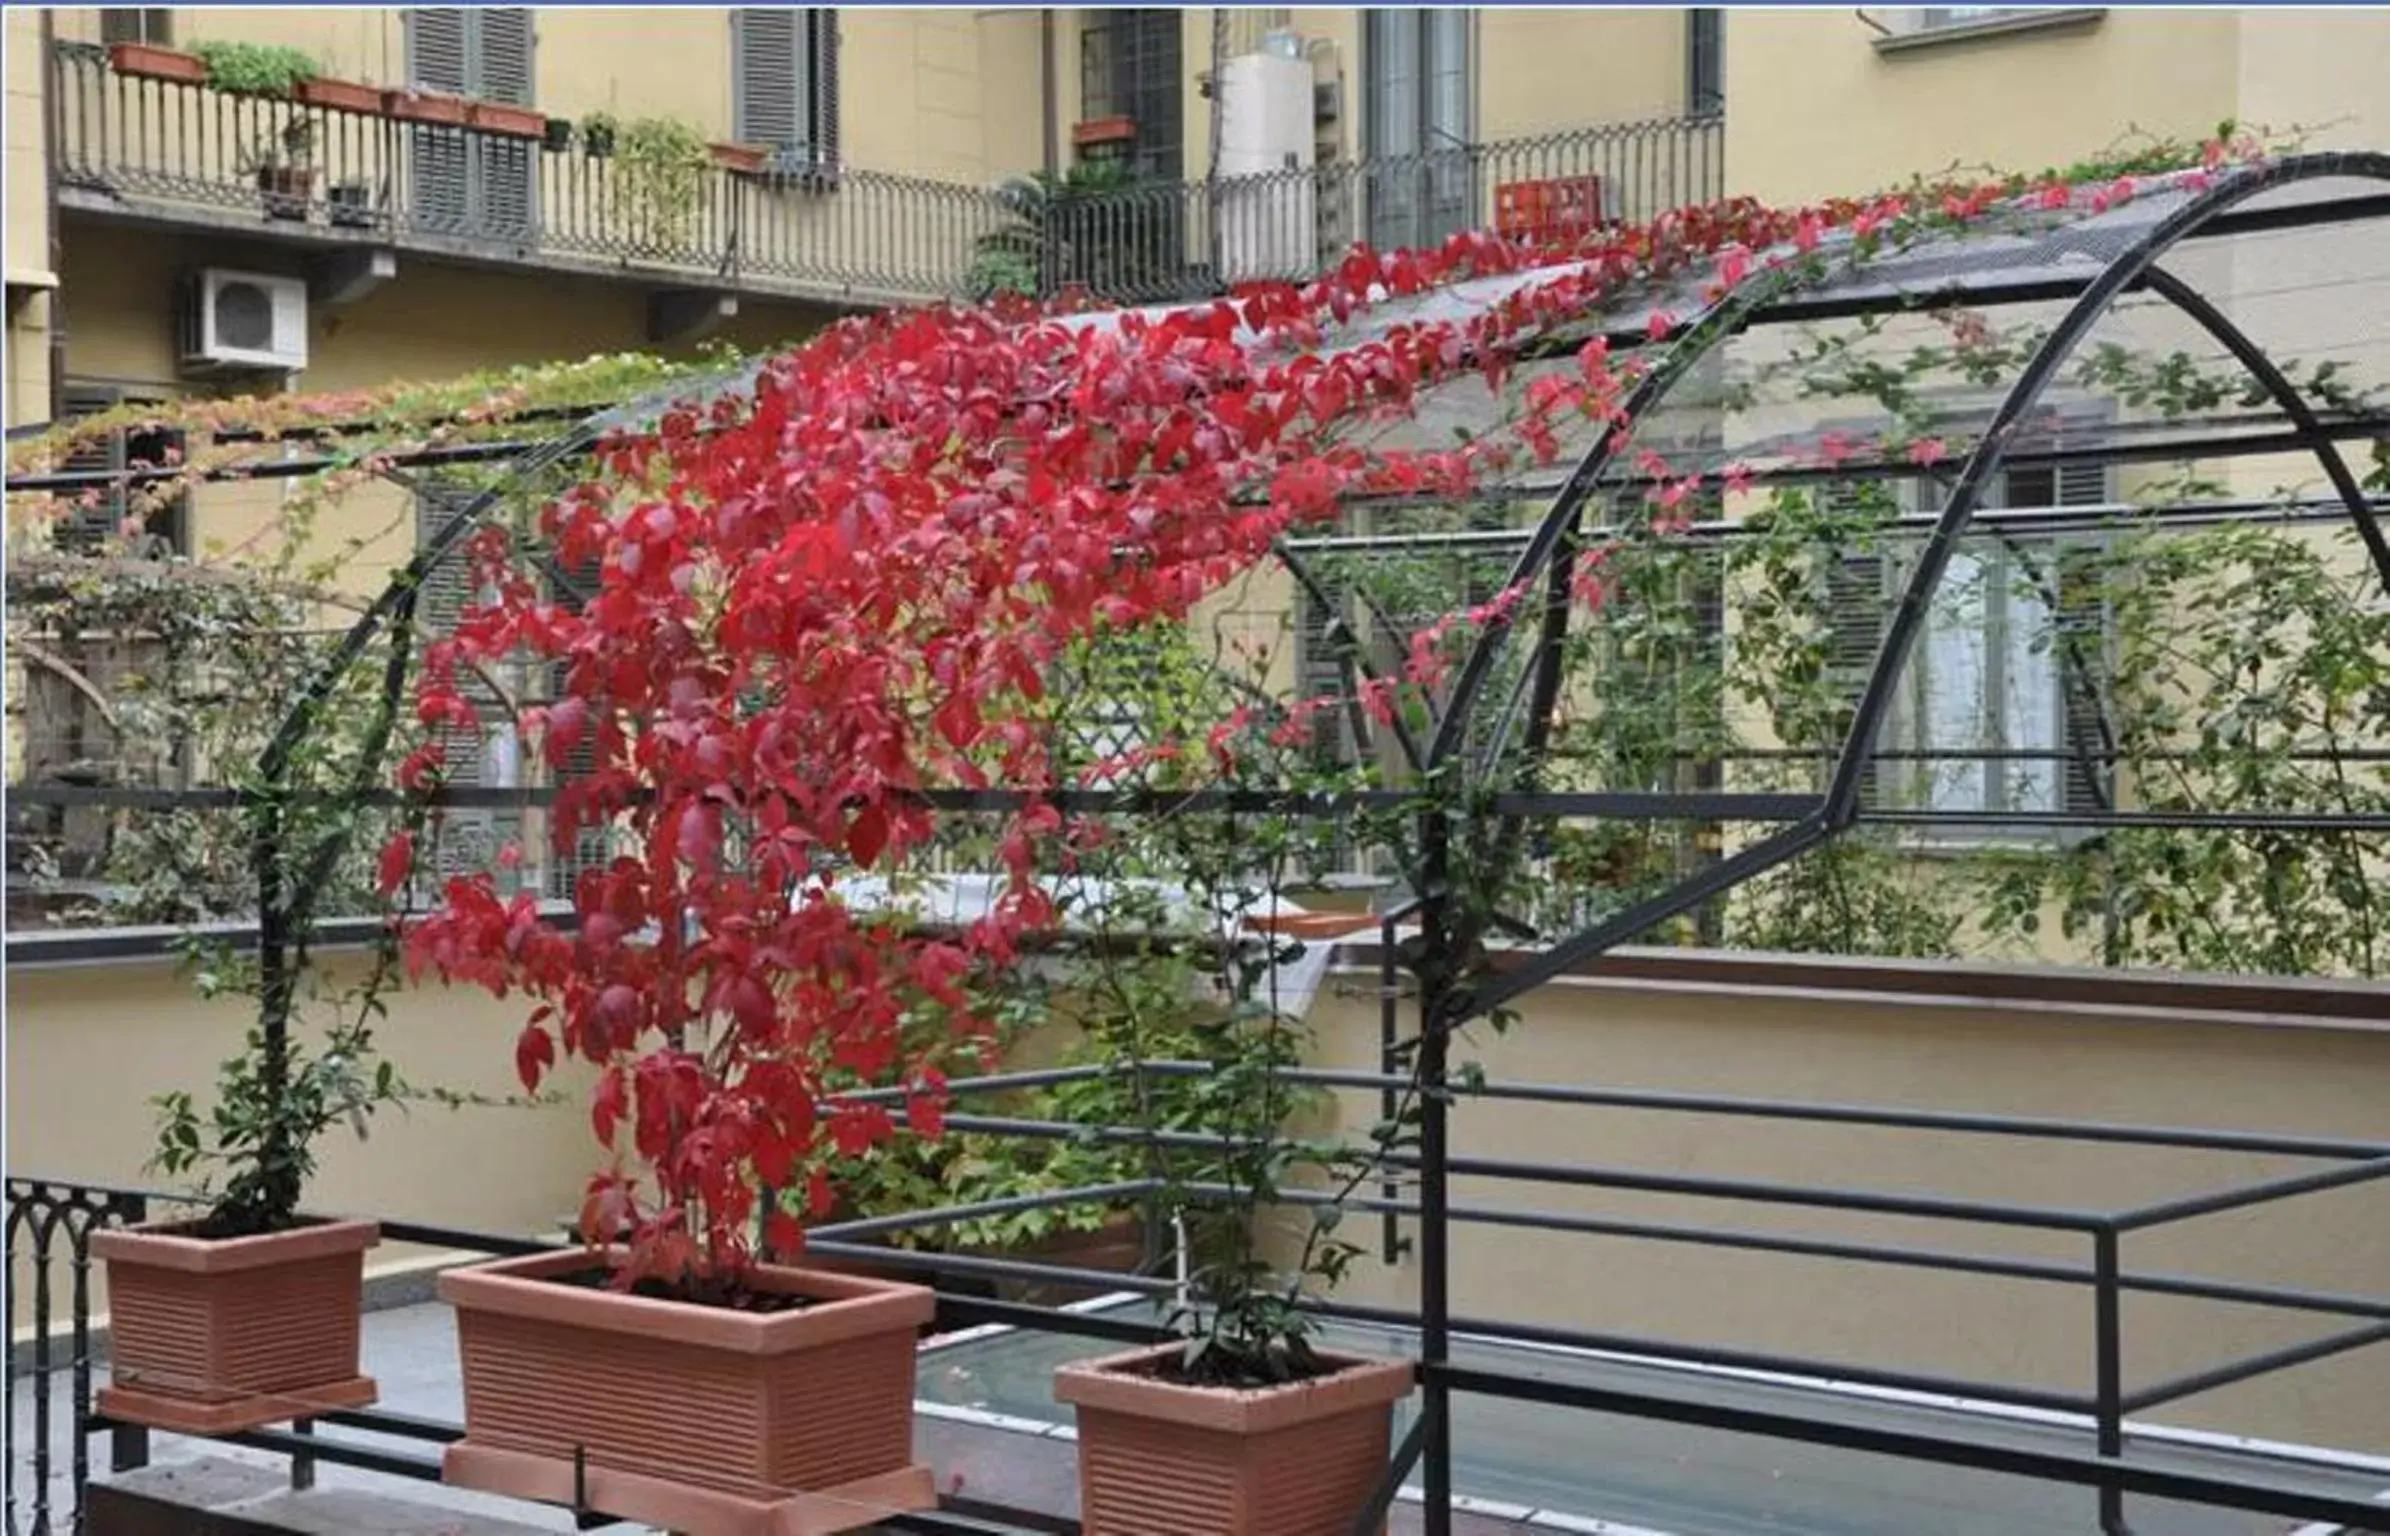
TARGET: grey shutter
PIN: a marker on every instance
(87, 528)
(468, 838)
(1855, 590)
(441, 177)
(590, 845)
(824, 22)
(2089, 782)
(775, 65)
(508, 169)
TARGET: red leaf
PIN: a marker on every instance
(535, 1053)
(607, 1105)
(868, 835)
(784, 1237)
(398, 861)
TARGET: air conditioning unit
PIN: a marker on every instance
(244, 320)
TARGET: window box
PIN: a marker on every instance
(745, 159)
(341, 95)
(151, 62)
(513, 122)
(1103, 130)
(427, 107)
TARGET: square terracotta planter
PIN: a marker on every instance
(152, 62)
(209, 1336)
(1160, 1459)
(690, 1418)
(341, 95)
(426, 107)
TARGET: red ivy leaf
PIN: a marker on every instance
(535, 1053)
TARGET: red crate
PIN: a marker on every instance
(1544, 211)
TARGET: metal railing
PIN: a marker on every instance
(180, 151)
(2093, 1443)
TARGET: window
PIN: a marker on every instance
(1129, 67)
(1705, 62)
(2002, 689)
(1419, 118)
(784, 65)
(133, 449)
(137, 24)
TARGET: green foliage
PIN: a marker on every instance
(1088, 226)
(256, 69)
(661, 167)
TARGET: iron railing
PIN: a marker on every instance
(2093, 1442)
(183, 152)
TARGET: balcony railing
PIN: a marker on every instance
(181, 152)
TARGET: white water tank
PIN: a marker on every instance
(1269, 220)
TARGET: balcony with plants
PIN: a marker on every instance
(962, 877)
(255, 139)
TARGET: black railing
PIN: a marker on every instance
(2087, 1440)
(177, 150)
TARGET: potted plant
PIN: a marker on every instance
(255, 69)
(285, 177)
(248, 1314)
(1212, 1431)
(420, 106)
(351, 204)
(149, 61)
(557, 136)
(512, 121)
(597, 135)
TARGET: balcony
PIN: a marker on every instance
(179, 154)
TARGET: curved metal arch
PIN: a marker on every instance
(1991, 451)
(1838, 810)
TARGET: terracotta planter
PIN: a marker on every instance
(212, 1336)
(425, 107)
(341, 95)
(1156, 1458)
(151, 62)
(513, 122)
(1103, 130)
(743, 158)
(687, 1417)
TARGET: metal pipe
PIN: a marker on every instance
(1434, 1162)
(947, 1215)
(2107, 1326)
(2196, 1382)
(2165, 1211)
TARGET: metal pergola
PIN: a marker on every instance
(2085, 260)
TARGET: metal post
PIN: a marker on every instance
(2108, 1345)
(302, 1463)
(1435, 1299)
(1389, 1065)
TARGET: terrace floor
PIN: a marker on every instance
(990, 1427)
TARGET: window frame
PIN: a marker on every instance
(151, 24)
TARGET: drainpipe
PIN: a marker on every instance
(1047, 88)
(49, 150)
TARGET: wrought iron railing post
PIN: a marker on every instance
(2108, 1386)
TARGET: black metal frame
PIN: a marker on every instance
(1803, 823)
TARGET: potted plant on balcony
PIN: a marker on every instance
(338, 95)
(285, 174)
(507, 119)
(414, 105)
(556, 136)
(1244, 1425)
(255, 69)
(745, 159)
(598, 132)
(149, 61)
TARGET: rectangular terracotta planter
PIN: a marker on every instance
(212, 1336)
(152, 62)
(425, 107)
(743, 158)
(1160, 1459)
(688, 1417)
(341, 95)
(513, 122)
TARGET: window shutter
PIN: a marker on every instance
(87, 528)
(508, 169)
(770, 103)
(436, 62)
(824, 24)
(467, 837)
(591, 845)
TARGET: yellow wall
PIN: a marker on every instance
(1813, 108)
(2290, 1075)
(1542, 69)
